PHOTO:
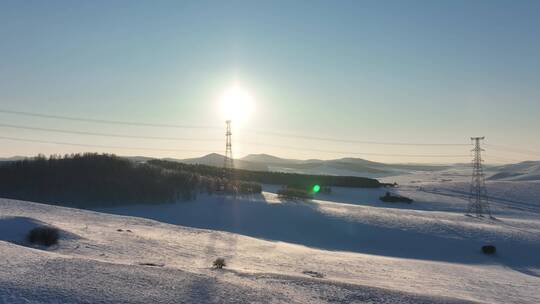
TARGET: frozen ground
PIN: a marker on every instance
(346, 247)
(96, 263)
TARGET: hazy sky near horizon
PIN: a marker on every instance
(384, 71)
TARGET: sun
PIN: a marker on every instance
(236, 104)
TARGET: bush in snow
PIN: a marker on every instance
(290, 193)
(249, 187)
(325, 190)
(45, 236)
(238, 187)
(391, 198)
(219, 263)
(489, 249)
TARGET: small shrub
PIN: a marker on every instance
(152, 264)
(241, 187)
(326, 190)
(313, 274)
(219, 263)
(294, 194)
(46, 236)
(244, 187)
(390, 198)
(489, 249)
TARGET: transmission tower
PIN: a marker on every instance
(228, 160)
(478, 199)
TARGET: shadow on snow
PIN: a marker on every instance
(302, 223)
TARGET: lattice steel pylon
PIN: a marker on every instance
(478, 199)
(228, 163)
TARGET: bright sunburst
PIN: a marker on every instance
(236, 104)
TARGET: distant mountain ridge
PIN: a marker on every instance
(347, 166)
(217, 160)
(12, 158)
(268, 159)
(344, 166)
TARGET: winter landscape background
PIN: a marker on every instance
(346, 246)
(276, 151)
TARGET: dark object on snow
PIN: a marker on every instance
(489, 249)
(325, 190)
(389, 198)
(152, 264)
(219, 263)
(46, 236)
(289, 193)
(313, 274)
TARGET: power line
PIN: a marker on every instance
(99, 146)
(105, 134)
(332, 139)
(502, 159)
(271, 133)
(262, 132)
(512, 149)
(359, 153)
(215, 140)
(104, 121)
(207, 151)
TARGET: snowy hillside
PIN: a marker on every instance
(113, 259)
(343, 247)
(524, 171)
(344, 166)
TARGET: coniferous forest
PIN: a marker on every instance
(276, 178)
(87, 180)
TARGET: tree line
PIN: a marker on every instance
(91, 179)
(277, 178)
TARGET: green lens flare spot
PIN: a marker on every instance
(316, 188)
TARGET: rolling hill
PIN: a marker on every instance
(523, 171)
(217, 160)
(343, 166)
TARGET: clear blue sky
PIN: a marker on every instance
(392, 71)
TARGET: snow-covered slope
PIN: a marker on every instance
(524, 171)
(366, 251)
(362, 224)
(117, 259)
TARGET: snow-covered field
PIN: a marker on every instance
(345, 247)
